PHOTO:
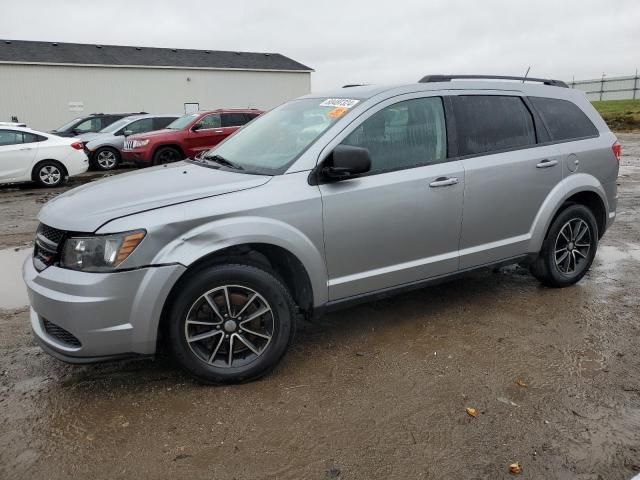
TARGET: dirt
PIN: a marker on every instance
(378, 391)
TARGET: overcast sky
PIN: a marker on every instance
(361, 41)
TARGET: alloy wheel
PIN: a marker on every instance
(572, 246)
(229, 326)
(106, 159)
(50, 175)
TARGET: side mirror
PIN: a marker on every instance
(128, 132)
(196, 127)
(345, 162)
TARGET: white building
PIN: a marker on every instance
(46, 84)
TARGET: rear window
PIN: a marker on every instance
(488, 123)
(564, 119)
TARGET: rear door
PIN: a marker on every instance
(232, 121)
(399, 223)
(16, 156)
(507, 174)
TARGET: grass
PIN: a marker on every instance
(620, 115)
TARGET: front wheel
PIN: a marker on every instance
(106, 159)
(569, 248)
(231, 323)
(166, 155)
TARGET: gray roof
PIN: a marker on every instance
(21, 51)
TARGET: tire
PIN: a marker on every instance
(256, 347)
(566, 253)
(106, 159)
(166, 155)
(49, 174)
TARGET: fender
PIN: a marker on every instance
(569, 186)
(217, 235)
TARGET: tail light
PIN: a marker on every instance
(617, 150)
(77, 145)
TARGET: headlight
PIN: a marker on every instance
(139, 143)
(99, 253)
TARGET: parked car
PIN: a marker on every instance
(27, 155)
(104, 148)
(90, 123)
(186, 137)
(323, 202)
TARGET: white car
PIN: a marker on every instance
(27, 155)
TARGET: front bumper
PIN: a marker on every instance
(83, 317)
(139, 157)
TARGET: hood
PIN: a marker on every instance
(87, 137)
(166, 133)
(86, 208)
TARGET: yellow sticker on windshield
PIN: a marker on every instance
(337, 112)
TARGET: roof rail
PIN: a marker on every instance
(448, 78)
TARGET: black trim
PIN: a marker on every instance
(417, 285)
(84, 360)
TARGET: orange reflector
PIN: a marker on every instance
(129, 244)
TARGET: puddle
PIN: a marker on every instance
(610, 257)
(13, 293)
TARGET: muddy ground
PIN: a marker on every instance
(374, 392)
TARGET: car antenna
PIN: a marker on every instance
(526, 73)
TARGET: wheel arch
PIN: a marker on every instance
(274, 258)
(175, 146)
(40, 162)
(580, 189)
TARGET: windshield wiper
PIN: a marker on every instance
(220, 160)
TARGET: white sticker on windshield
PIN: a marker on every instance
(339, 102)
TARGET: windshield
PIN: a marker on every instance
(180, 123)
(273, 141)
(115, 126)
(68, 125)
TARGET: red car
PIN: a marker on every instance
(185, 137)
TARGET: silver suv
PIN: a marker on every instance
(324, 201)
(104, 148)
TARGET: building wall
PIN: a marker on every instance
(45, 96)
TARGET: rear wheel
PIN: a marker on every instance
(569, 248)
(106, 158)
(231, 323)
(49, 174)
(166, 155)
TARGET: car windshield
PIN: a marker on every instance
(180, 123)
(115, 126)
(68, 125)
(273, 141)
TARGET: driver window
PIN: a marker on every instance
(210, 121)
(407, 134)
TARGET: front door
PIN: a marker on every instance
(16, 156)
(207, 133)
(399, 223)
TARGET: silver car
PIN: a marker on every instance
(104, 147)
(325, 201)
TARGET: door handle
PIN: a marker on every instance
(25, 148)
(443, 182)
(218, 131)
(546, 163)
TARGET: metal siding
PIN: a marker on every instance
(40, 95)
